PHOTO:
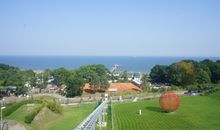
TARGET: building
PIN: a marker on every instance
(115, 87)
(123, 87)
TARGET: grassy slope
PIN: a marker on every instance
(197, 112)
(19, 115)
(70, 118)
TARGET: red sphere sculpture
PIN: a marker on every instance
(169, 102)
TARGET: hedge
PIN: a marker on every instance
(30, 116)
(55, 107)
(13, 107)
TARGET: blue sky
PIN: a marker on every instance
(110, 27)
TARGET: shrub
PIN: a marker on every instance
(208, 92)
(173, 88)
(13, 107)
(30, 116)
(98, 103)
(161, 90)
(55, 107)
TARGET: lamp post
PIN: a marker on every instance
(1, 112)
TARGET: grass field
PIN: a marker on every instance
(195, 112)
(70, 118)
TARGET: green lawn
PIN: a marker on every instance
(70, 118)
(195, 112)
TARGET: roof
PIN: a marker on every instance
(86, 86)
(123, 87)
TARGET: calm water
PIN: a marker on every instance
(138, 64)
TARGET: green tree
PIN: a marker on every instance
(96, 75)
(21, 90)
(214, 68)
(28, 76)
(183, 73)
(159, 74)
(46, 74)
(13, 78)
(145, 85)
(202, 77)
(125, 76)
(74, 86)
(61, 75)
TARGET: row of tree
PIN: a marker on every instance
(96, 75)
(183, 73)
(12, 76)
(187, 72)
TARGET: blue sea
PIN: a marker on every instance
(134, 64)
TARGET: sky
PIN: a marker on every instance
(110, 28)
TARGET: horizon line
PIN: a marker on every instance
(106, 56)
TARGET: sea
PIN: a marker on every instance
(129, 63)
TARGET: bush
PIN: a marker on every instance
(13, 107)
(30, 116)
(55, 107)
(192, 87)
(174, 88)
(154, 90)
(208, 92)
(98, 103)
(161, 90)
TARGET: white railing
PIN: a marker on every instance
(90, 122)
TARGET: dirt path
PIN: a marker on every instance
(14, 125)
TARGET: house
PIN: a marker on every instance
(55, 88)
(123, 87)
(115, 87)
(87, 88)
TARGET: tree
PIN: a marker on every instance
(4, 67)
(124, 76)
(202, 76)
(13, 78)
(145, 81)
(74, 86)
(159, 74)
(183, 73)
(46, 74)
(29, 76)
(214, 68)
(95, 75)
(33, 81)
(187, 72)
(61, 75)
(21, 90)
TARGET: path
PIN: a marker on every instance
(14, 125)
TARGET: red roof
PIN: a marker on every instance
(123, 87)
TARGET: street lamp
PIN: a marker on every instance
(1, 112)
